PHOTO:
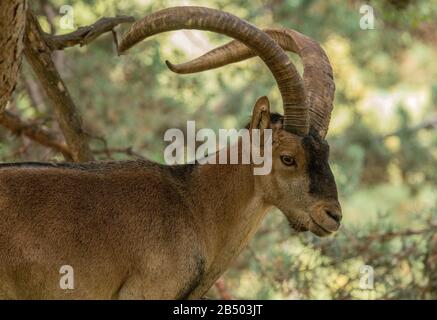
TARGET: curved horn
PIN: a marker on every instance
(318, 78)
(288, 79)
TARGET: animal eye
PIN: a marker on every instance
(288, 161)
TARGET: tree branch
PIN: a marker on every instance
(49, 139)
(34, 132)
(39, 56)
(85, 35)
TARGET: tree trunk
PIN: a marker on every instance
(38, 54)
(12, 24)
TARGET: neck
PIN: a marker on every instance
(228, 210)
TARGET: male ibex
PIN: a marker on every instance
(137, 229)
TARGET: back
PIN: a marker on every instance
(97, 217)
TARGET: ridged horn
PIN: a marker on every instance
(318, 77)
(288, 79)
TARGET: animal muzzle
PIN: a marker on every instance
(325, 218)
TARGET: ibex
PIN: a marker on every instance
(142, 230)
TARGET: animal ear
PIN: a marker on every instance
(261, 114)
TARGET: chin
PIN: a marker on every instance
(298, 225)
(318, 230)
(308, 224)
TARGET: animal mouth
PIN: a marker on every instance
(320, 224)
(318, 229)
(323, 229)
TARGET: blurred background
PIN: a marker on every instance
(383, 133)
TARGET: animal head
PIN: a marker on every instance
(300, 183)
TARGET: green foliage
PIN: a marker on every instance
(302, 266)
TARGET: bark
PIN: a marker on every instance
(12, 25)
(38, 54)
(85, 35)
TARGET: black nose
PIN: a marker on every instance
(336, 215)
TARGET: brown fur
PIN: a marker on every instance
(139, 230)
